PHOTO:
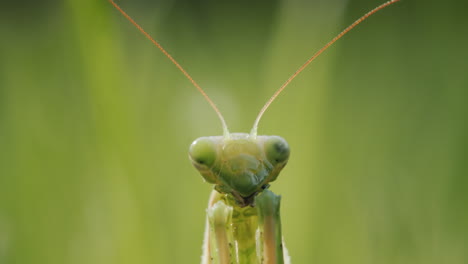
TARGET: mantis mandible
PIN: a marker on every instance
(243, 217)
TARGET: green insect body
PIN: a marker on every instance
(243, 217)
(250, 234)
(243, 220)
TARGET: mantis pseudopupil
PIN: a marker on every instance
(243, 220)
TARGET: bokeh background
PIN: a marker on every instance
(95, 124)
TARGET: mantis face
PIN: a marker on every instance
(243, 164)
(239, 165)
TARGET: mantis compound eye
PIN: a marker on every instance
(202, 152)
(276, 150)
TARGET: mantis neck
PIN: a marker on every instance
(249, 234)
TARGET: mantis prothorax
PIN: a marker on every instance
(243, 217)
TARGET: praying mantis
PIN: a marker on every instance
(243, 223)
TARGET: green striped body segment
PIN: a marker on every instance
(244, 235)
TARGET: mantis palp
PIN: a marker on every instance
(243, 216)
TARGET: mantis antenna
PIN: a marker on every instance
(253, 133)
(212, 104)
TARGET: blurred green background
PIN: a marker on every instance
(95, 125)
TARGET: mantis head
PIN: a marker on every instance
(243, 164)
(240, 165)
